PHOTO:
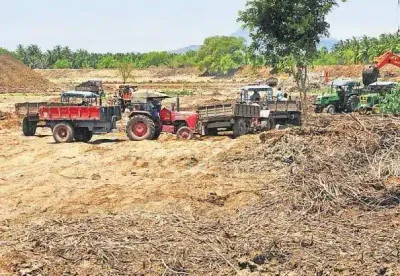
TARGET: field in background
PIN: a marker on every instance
(294, 202)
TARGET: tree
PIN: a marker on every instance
(221, 54)
(62, 64)
(287, 32)
(107, 62)
(125, 69)
(391, 103)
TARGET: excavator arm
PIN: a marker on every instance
(371, 72)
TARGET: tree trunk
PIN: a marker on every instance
(301, 75)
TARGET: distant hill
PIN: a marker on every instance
(186, 49)
(325, 42)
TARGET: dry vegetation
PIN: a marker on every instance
(321, 200)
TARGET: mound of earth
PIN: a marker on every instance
(16, 77)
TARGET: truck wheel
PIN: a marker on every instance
(63, 133)
(185, 133)
(331, 109)
(82, 134)
(140, 128)
(352, 103)
(28, 128)
(239, 128)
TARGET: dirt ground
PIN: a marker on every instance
(210, 206)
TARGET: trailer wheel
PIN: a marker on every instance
(28, 128)
(140, 128)
(211, 131)
(82, 134)
(239, 128)
(185, 133)
(271, 123)
(63, 133)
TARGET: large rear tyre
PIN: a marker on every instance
(140, 128)
(158, 131)
(82, 135)
(185, 133)
(352, 103)
(63, 133)
(28, 128)
(239, 128)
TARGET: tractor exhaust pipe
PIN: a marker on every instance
(178, 104)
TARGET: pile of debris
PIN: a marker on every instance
(16, 77)
(336, 161)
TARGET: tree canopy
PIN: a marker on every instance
(220, 54)
(287, 33)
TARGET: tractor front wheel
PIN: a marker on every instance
(363, 110)
(318, 109)
(185, 133)
(140, 128)
(331, 109)
(63, 133)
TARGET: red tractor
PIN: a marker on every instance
(148, 119)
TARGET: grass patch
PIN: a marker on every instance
(175, 92)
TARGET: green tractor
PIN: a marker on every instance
(377, 92)
(344, 96)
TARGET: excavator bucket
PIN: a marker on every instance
(370, 74)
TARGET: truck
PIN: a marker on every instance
(77, 117)
(246, 115)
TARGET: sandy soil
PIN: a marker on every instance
(167, 207)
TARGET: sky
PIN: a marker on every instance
(146, 25)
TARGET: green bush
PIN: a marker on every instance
(62, 64)
(391, 103)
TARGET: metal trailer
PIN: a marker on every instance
(235, 117)
(70, 121)
(242, 118)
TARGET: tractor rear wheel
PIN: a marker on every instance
(158, 131)
(82, 134)
(239, 128)
(28, 128)
(185, 133)
(140, 128)
(331, 109)
(63, 133)
(352, 103)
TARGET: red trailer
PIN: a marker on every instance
(73, 121)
